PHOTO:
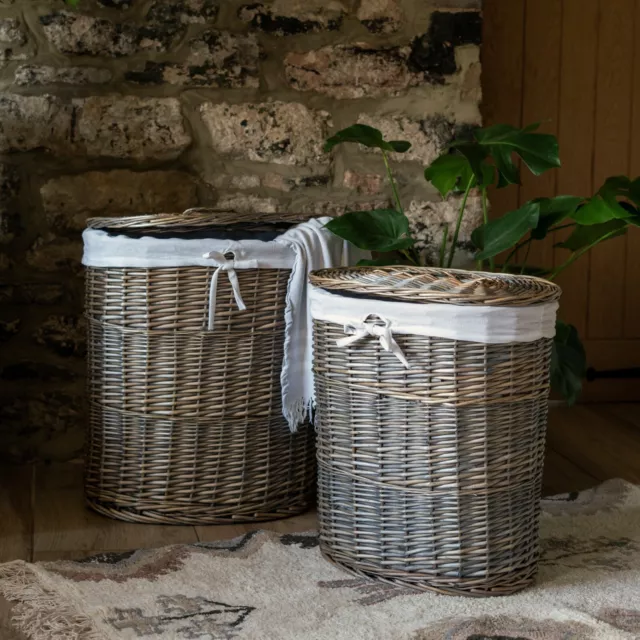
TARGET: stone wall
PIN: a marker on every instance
(136, 106)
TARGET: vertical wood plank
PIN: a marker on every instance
(502, 78)
(16, 518)
(632, 298)
(576, 127)
(611, 157)
(543, 48)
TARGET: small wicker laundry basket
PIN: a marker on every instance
(430, 476)
(186, 423)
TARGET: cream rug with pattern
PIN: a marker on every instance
(268, 587)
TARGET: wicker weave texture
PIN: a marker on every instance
(430, 477)
(186, 424)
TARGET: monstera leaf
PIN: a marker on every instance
(490, 154)
(617, 199)
(585, 237)
(503, 233)
(380, 230)
(367, 136)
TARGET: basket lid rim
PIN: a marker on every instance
(195, 218)
(437, 285)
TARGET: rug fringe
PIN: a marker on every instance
(37, 612)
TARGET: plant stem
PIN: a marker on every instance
(452, 252)
(411, 254)
(394, 187)
(577, 254)
(443, 246)
(528, 241)
(485, 216)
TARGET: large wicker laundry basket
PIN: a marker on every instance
(186, 423)
(430, 476)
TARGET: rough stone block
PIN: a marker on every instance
(243, 203)
(76, 34)
(26, 370)
(365, 183)
(116, 4)
(9, 214)
(337, 207)
(64, 335)
(36, 75)
(41, 293)
(428, 137)
(184, 11)
(291, 17)
(69, 200)
(380, 16)
(28, 123)
(434, 53)
(429, 219)
(33, 424)
(215, 59)
(50, 253)
(11, 32)
(471, 88)
(9, 328)
(279, 182)
(119, 126)
(280, 132)
(352, 71)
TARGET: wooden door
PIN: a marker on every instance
(574, 65)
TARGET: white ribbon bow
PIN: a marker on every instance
(219, 259)
(384, 334)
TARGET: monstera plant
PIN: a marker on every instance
(491, 157)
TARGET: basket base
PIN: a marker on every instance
(504, 585)
(200, 516)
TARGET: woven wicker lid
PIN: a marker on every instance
(432, 285)
(191, 220)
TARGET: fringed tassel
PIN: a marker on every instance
(37, 612)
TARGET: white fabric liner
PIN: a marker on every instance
(303, 248)
(468, 323)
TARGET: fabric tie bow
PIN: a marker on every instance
(358, 332)
(220, 260)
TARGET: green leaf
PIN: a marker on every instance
(605, 205)
(399, 146)
(504, 233)
(553, 211)
(475, 156)
(585, 236)
(444, 172)
(559, 204)
(488, 175)
(508, 171)
(367, 136)
(477, 237)
(538, 151)
(634, 192)
(380, 230)
(568, 362)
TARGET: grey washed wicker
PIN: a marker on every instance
(186, 424)
(430, 478)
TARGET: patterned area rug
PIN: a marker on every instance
(268, 587)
